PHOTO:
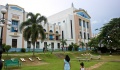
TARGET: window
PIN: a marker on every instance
(58, 44)
(54, 23)
(87, 25)
(14, 27)
(44, 30)
(84, 35)
(14, 43)
(81, 35)
(51, 31)
(71, 29)
(51, 37)
(37, 45)
(52, 45)
(45, 45)
(28, 44)
(83, 23)
(79, 22)
(56, 37)
(57, 32)
(63, 21)
(88, 36)
(62, 35)
(58, 23)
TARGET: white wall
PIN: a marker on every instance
(66, 16)
(8, 37)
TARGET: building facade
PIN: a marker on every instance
(71, 24)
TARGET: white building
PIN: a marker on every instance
(71, 24)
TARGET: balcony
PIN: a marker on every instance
(58, 34)
(46, 32)
(51, 37)
(51, 33)
(14, 34)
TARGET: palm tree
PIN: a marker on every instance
(63, 42)
(82, 44)
(32, 28)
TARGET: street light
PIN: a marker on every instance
(2, 21)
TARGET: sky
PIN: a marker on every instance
(101, 11)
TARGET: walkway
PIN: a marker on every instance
(95, 66)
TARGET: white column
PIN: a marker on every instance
(86, 31)
(82, 31)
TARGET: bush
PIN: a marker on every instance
(23, 50)
(76, 47)
(70, 48)
(7, 48)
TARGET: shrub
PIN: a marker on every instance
(76, 47)
(70, 47)
(7, 48)
(23, 50)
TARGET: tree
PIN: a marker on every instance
(93, 42)
(82, 44)
(110, 33)
(32, 28)
(7, 48)
(63, 42)
(75, 46)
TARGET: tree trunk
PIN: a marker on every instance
(90, 47)
(63, 48)
(33, 49)
(7, 53)
(86, 47)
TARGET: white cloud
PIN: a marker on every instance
(105, 21)
(94, 22)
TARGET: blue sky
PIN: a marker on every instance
(101, 11)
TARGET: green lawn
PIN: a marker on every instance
(55, 61)
(109, 66)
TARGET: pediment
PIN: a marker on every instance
(83, 14)
(16, 7)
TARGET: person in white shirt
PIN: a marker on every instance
(67, 63)
(82, 66)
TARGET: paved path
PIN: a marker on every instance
(95, 66)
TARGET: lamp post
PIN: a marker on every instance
(3, 11)
(2, 21)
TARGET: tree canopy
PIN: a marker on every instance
(32, 28)
(110, 33)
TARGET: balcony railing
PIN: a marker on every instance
(51, 33)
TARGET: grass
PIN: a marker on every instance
(109, 66)
(55, 61)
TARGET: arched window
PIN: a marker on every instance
(57, 32)
(44, 30)
(51, 31)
